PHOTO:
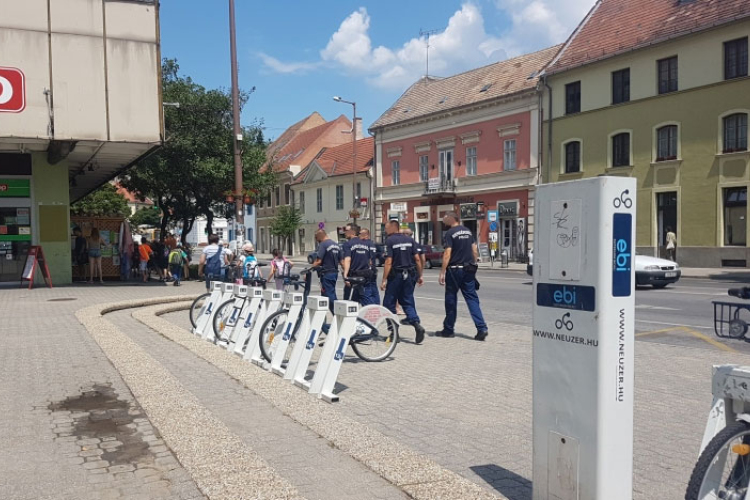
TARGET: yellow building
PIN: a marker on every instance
(659, 90)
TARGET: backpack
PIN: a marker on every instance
(285, 270)
(175, 257)
(213, 265)
(251, 268)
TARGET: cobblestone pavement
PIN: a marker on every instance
(70, 428)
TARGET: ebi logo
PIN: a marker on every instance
(565, 296)
(622, 255)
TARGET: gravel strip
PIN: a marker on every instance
(221, 464)
(416, 474)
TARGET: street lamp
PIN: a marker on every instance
(236, 120)
(354, 155)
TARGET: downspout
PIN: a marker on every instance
(549, 131)
(373, 180)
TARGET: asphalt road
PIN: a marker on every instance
(681, 314)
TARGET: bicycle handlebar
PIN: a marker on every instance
(742, 293)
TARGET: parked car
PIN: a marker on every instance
(655, 272)
(434, 256)
(648, 271)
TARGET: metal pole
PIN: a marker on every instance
(237, 127)
(354, 165)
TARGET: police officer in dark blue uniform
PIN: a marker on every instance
(329, 258)
(402, 271)
(350, 232)
(371, 289)
(459, 272)
(359, 263)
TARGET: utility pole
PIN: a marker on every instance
(238, 204)
(427, 33)
(355, 205)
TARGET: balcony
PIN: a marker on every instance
(440, 186)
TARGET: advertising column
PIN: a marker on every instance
(583, 340)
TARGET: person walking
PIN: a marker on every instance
(358, 263)
(329, 258)
(177, 258)
(671, 244)
(145, 253)
(95, 255)
(80, 253)
(459, 272)
(214, 260)
(401, 272)
(281, 268)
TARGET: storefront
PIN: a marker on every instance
(15, 225)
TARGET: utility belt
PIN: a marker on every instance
(405, 272)
(369, 274)
(469, 268)
(323, 272)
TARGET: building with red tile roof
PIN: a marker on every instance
(658, 90)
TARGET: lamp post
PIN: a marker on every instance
(236, 120)
(354, 154)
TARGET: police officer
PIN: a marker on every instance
(329, 258)
(420, 248)
(350, 232)
(402, 270)
(358, 263)
(459, 272)
(371, 288)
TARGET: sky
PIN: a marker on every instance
(298, 54)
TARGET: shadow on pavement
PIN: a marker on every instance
(506, 482)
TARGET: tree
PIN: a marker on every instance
(194, 170)
(286, 222)
(104, 202)
(146, 216)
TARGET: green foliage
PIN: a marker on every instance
(149, 216)
(104, 202)
(190, 174)
(286, 222)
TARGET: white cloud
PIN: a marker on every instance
(464, 44)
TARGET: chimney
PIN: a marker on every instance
(358, 128)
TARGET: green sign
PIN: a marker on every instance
(15, 237)
(15, 188)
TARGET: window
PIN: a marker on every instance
(339, 197)
(220, 233)
(471, 161)
(319, 199)
(667, 75)
(621, 86)
(573, 98)
(395, 173)
(735, 133)
(302, 202)
(621, 150)
(424, 168)
(735, 58)
(248, 210)
(509, 155)
(278, 198)
(572, 157)
(291, 198)
(735, 216)
(268, 200)
(445, 164)
(287, 193)
(666, 143)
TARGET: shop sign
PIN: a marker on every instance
(422, 216)
(492, 215)
(15, 188)
(468, 211)
(12, 90)
(507, 209)
(398, 207)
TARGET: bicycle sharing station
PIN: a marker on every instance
(247, 316)
(227, 293)
(293, 302)
(312, 321)
(584, 310)
(205, 317)
(240, 298)
(269, 305)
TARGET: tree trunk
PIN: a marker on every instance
(209, 222)
(164, 222)
(187, 226)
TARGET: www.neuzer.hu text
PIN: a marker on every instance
(562, 337)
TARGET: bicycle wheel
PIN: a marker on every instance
(221, 318)
(374, 342)
(271, 332)
(197, 308)
(723, 469)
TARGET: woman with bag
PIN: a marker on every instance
(671, 244)
(95, 255)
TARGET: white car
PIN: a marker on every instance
(655, 272)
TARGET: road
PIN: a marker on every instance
(681, 314)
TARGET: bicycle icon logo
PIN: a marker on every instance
(565, 321)
(623, 200)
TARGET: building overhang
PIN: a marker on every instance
(90, 163)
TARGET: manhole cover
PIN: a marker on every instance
(64, 299)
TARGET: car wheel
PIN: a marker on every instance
(428, 264)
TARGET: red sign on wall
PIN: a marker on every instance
(12, 90)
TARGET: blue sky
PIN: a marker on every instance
(298, 54)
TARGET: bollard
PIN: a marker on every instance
(270, 304)
(334, 350)
(227, 292)
(207, 317)
(293, 303)
(247, 316)
(312, 323)
(583, 339)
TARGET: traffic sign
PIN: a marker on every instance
(12, 90)
(493, 226)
